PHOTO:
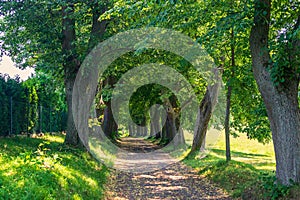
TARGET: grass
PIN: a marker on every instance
(250, 174)
(44, 168)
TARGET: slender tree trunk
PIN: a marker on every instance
(130, 129)
(134, 130)
(164, 132)
(281, 101)
(158, 131)
(205, 110)
(152, 130)
(155, 127)
(203, 117)
(228, 98)
(179, 140)
(146, 131)
(227, 126)
(138, 130)
(170, 124)
(109, 125)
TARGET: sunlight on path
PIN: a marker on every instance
(175, 181)
(138, 156)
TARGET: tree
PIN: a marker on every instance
(279, 90)
(4, 106)
(53, 36)
(215, 34)
(72, 64)
(205, 111)
(45, 97)
(109, 126)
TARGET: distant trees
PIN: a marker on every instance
(28, 108)
(12, 112)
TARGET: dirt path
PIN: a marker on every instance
(175, 181)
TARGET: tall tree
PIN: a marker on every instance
(280, 95)
(53, 36)
(228, 98)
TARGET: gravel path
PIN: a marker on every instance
(175, 181)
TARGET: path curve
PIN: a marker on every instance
(175, 181)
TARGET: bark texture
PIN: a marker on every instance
(72, 63)
(281, 101)
(71, 67)
(109, 125)
(172, 131)
(203, 117)
(205, 110)
(155, 129)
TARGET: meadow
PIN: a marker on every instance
(249, 175)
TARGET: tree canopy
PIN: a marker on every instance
(254, 43)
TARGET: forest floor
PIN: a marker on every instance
(174, 181)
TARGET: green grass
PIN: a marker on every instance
(44, 168)
(250, 174)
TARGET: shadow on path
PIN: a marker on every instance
(175, 181)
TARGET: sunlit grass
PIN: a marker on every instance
(260, 156)
(251, 172)
(29, 170)
(59, 138)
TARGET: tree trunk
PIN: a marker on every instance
(179, 140)
(155, 123)
(281, 101)
(109, 125)
(72, 64)
(203, 117)
(130, 129)
(145, 131)
(174, 133)
(164, 132)
(170, 126)
(152, 130)
(134, 130)
(227, 126)
(228, 98)
(205, 110)
(71, 67)
(202, 148)
(72, 137)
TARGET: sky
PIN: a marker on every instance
(7, 66)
